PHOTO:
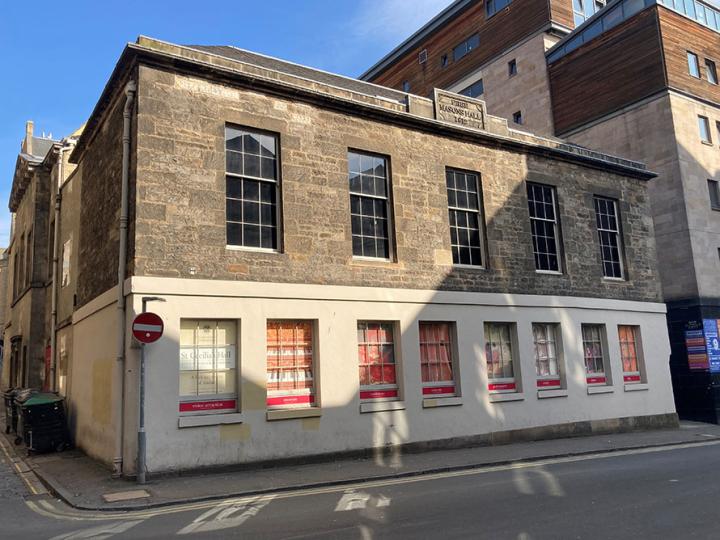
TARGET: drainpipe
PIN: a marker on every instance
(56, 255)
(119, 375)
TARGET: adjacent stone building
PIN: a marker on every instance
(341, 267)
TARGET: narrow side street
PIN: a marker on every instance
(652, 493)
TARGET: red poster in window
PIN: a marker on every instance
(545, 383)
(439, 391)
(596, 380)
(378, 394)
(631, 378)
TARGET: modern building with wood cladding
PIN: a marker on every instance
(341, 267)
(636, 78)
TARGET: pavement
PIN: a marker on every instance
(84, 484)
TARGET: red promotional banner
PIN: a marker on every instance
(499, 387)
(378, 394)
(438, 390)
(279, 401)
(545, 383)
(631, 378)
(596, 380)
(214, 405)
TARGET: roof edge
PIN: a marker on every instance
(440, 19)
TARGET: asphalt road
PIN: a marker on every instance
(658, 493)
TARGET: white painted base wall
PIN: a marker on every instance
(248, 436)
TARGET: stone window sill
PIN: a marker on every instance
(210, 420)
(512, 396)
(291, 414)
(637, 387)
(546, 394)
(442, 402)
(600, 390)
(380, 406)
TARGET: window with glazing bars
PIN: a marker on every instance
(546, 355)
(251, 183)
(593, 353)
(608, 227)
(290, 381)
(471, 43)
(498, 350)
(474, 90)
(544, 227)
(629, 353)
(436, 359)
(369, 208)
(465, 217)
(376, 360)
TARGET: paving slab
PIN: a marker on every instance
(85, 484)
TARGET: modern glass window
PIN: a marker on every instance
(406, 86)
(608, 226)
(547, 362)
(518, 118)
(584, 9)
(714, 190)
(704, 129)
(711, 71)
(512, 68)
(369, 205)
(493, 6)
(208, 366)
(465, 217)
(693, 64)
(594, 353)
(630, 353)
(462, 49)
(252, 188)
(290, 373)
(444, 60)
(376, 360)
(476, 89)
(544, 227)
(436, 359)
(499, 355)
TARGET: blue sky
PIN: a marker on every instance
(57, 57)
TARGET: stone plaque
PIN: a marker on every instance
(460, 110)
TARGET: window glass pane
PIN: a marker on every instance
(376, 361)
(704, 128)
(629, 351)
(367, 177)
(208, 366)
(609, 237)
(544, 227)
(546, 350)
(251, 164)
(464, 216)
(290, 381)
(498, 351)
(593, 353)
(711, 71)
(693, 65)
(436, 362)
(714, 190)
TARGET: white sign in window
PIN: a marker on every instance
(594, 353)
(208, 366)
(500, 357)
(547, 356)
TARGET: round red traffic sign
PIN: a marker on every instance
(147, 327)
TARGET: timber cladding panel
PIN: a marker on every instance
(506, 28)
(680, 35)
(180, 223)
(616, 69)
(561, 12)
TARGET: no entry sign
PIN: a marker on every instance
(147, 327)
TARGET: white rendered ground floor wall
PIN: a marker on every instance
(242, 425)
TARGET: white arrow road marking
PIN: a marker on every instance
(223, 516)
(99, 533)
(352, 500)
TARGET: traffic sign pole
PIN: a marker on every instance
(146, 330)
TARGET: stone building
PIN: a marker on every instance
(341, 267)
(637, 78)
(28, 305)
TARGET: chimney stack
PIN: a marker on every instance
(27, 143)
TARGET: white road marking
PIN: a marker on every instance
(99, 533)
(223, 515)
(63, 512)
(352, 500)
